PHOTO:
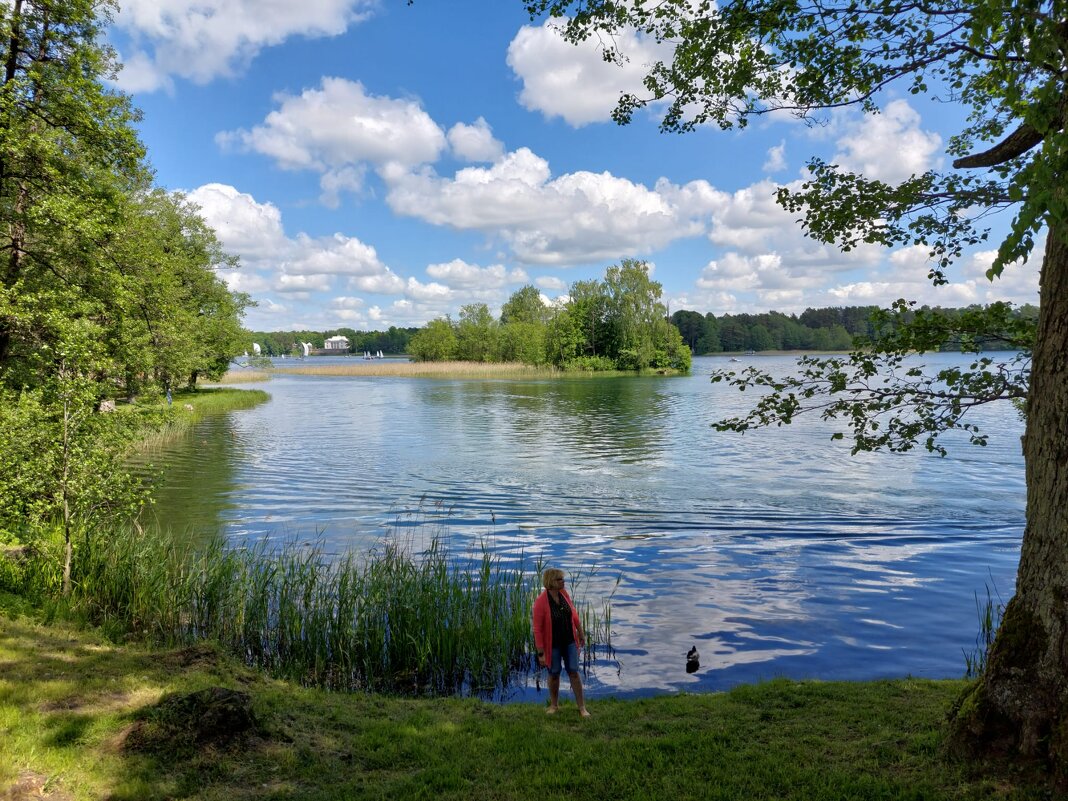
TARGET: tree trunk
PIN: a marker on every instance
(1020, 704)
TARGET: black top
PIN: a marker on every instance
(563, 635)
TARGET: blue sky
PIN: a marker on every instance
(376, 164)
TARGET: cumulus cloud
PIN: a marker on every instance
(776, 159)
(246, 228)
(475, 142)
(575, 82)
(316, 275)
(458, 273)
(200, 40)
(890, 146)
(271, 261)
(334, 182)
(338, 126)
(576, 218)
(550, 283)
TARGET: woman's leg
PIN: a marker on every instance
(554, 680)
(576, 688)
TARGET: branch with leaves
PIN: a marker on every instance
(889, 399)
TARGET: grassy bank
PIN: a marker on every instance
(188, 407)
(80, 718)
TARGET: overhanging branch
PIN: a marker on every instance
(1015, 144)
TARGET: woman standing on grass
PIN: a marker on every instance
(558, 635)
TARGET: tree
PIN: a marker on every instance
(476, 334)
(67, 149)
(435, 343)
(1006, 65)
(691, 325)
(525, 306)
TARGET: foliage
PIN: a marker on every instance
(889, 398)
(107, 286)
(617, 324)
(434, 343)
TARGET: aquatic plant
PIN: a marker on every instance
(990, 613)
(392, 619)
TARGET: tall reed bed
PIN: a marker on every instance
(393, 619)
(242, 376)
(425, 369)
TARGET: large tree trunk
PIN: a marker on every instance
(1020, 704)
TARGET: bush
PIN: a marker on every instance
(589, 364)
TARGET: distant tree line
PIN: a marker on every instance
(824, 329)
(279, 343)
(619, 323)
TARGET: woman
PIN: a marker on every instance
(558, 635)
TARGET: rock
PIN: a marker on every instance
(106, 406)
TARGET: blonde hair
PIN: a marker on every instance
(550, 575)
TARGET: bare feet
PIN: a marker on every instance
(552, 710)
(584, 712)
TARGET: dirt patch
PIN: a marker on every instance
(32, 785)
(199, 655)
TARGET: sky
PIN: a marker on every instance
(374, 163)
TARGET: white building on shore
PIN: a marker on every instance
(338, 344)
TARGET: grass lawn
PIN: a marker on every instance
(78, 720)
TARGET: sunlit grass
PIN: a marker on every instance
(69, 700)
(189, 407)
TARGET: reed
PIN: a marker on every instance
(394, 619)
(189, 407)
(990, 612)
(426, 369)
(243, 376)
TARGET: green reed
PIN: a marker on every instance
(990, 613)
(394, 619)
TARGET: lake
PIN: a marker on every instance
(775, 553)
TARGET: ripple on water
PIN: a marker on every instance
(776, 550)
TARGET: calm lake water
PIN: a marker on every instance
(775, 552)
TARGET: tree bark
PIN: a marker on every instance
(1019, 706)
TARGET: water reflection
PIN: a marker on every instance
(776, 553)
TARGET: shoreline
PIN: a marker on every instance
(87, 718)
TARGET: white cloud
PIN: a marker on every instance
(334, 182)
(340, 125)
(204, 39)
(475, 142)
(459, 274)
(246, 228)
(890, 146)
(776, 159)
(578, 217)
(551, 283)
(575, 82)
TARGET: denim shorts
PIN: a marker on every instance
(570, 660)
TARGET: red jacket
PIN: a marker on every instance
(543, 623)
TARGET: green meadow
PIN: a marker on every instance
(81, 718)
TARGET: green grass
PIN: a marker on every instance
(188, 407)
(71, 702)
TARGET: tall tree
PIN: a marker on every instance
(67, 146)
(1006, 64)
